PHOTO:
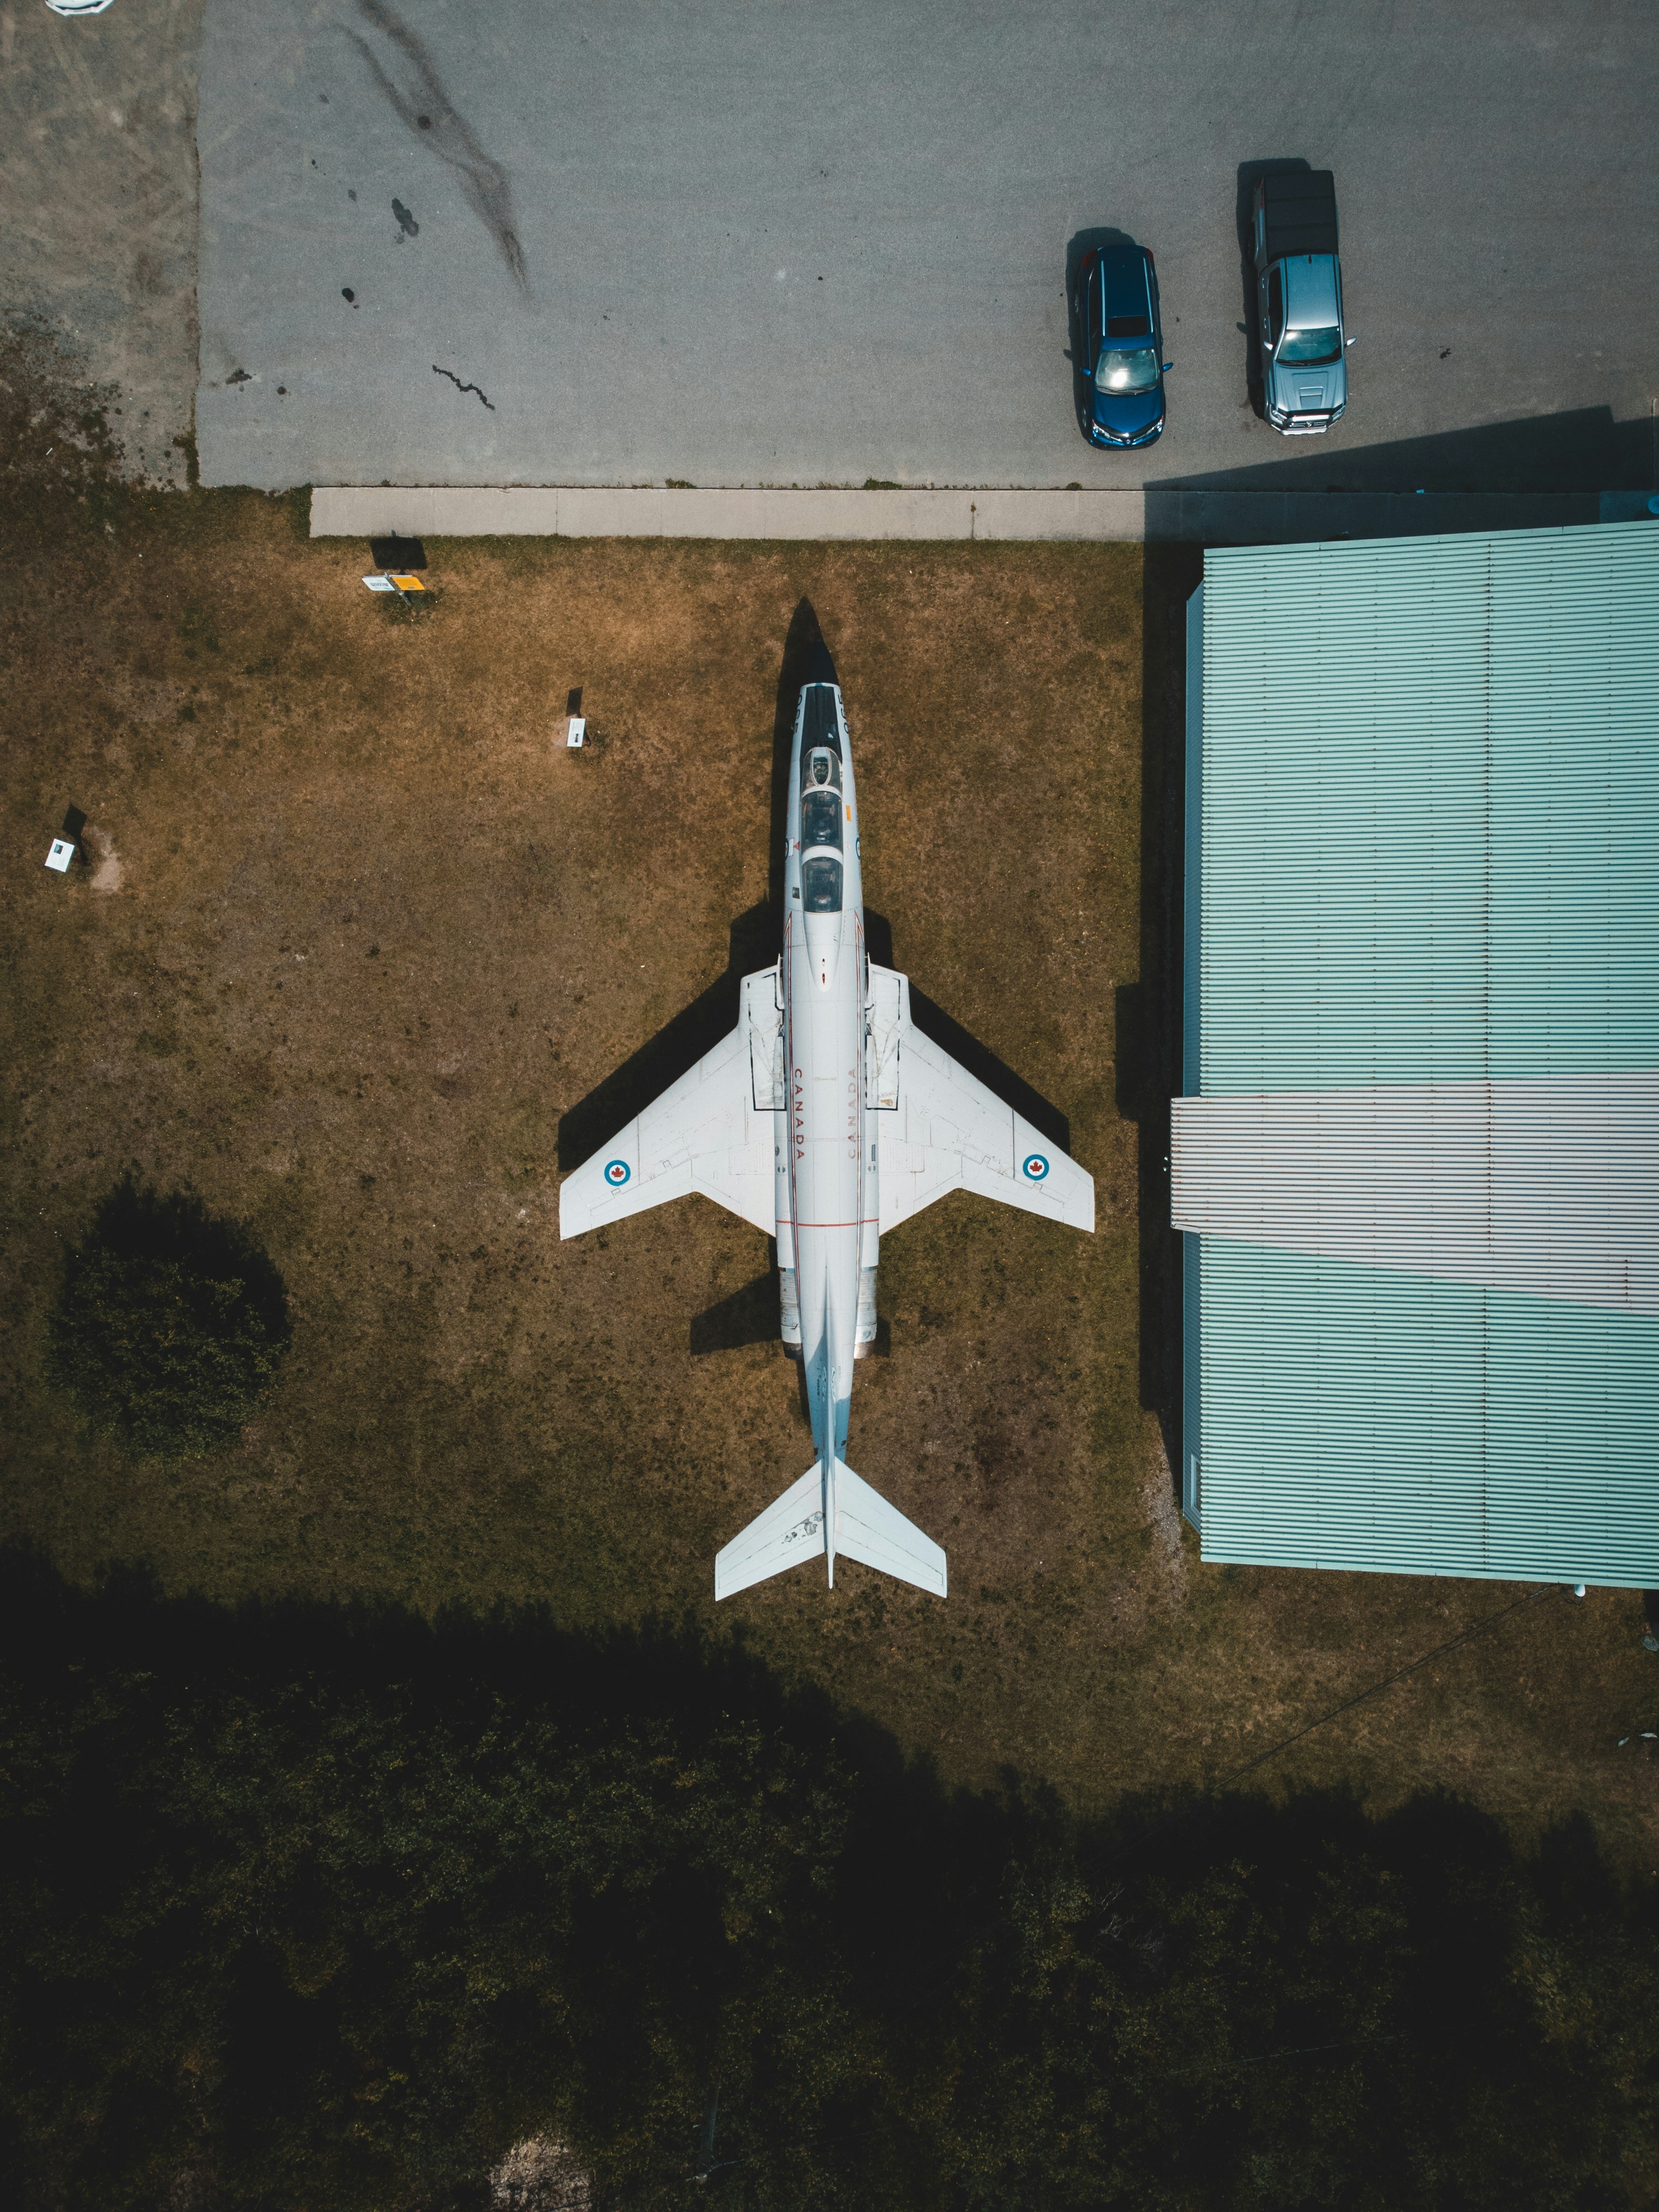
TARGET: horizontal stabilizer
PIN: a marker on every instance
(790, 1530)
(867, 1529)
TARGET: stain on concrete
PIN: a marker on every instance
(406, 222)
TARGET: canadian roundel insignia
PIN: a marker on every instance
(1034, 1167)
(616, 1173)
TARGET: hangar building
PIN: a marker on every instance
(1417, 1162)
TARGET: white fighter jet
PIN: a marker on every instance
(826, 1118)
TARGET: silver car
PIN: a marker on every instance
(1304, 377)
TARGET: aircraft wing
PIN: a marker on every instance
(944, 1131)
(705, 1132)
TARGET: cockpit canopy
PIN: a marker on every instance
(820, 883)
(821, 810)
(820, 820)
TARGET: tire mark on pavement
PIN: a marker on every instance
(429, 112)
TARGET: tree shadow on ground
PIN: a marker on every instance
(521, 1878)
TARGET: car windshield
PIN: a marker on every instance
(1126, 372)
(1312, 348)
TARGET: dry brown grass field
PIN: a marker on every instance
(364, 940)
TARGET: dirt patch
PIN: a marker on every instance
(98, 247)
(541, 2175)
(379, 936)
(106, 868)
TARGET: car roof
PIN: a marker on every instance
(1310, 290)
(1125, 286)
(1123, 283)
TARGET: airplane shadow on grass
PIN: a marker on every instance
(750, 1316)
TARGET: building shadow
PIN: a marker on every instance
(1575, 456)
(1148, 1040)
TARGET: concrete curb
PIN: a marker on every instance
(1165, 514)
(648, 511)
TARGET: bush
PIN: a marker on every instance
(171, 1324)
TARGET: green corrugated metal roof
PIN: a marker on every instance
(1354, 1417)
(1430, 810)
(1423, 824)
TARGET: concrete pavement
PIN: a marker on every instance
(737, 244)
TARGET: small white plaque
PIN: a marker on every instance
(62, 852)
(577, 733)
(380, 583)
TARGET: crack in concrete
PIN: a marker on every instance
(432, 116)
(459, 387)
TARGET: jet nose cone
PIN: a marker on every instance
(820, 668)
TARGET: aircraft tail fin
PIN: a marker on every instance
(795, 1527)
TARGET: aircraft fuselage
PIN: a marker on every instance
(827, 1199)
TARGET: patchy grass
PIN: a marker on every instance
(363, 934)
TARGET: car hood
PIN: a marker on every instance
(1124, 413)
(1302, 390)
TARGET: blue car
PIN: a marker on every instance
(1116, 304)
